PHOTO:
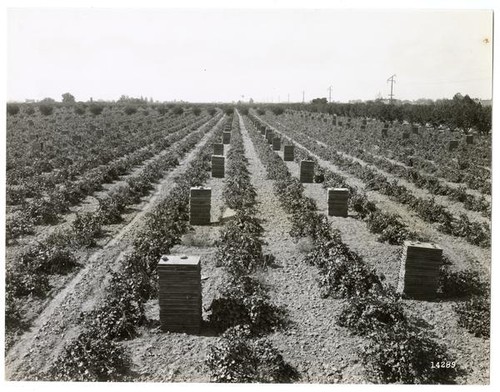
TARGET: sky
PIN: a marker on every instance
(269, 55)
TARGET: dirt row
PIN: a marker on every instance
(58, 322)
(462, 254)
(178, 357)
(471, 352)
(321, 351)
(456, 208)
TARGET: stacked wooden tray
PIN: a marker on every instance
(226, 137)
(419, 273)
(452, 145)
(179, 293)
(218, 162)
(276, 143)
(199, 205)
(337, 199)
(288, 153)
(218, 148)
(269, 135)
(306, 171)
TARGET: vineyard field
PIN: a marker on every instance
(290, 289)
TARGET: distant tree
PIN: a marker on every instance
(12, 109)
(483, 124)
(68, 98)
(48, 100)
(125, 99)
(211, 111)
(46, 106)
(80, 109)
(130, 109)
(196, 111)
(96, 109)
(320, 101)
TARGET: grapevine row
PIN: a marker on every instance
(243, 311)
(396, 343)
(29, 276)
(427, 209)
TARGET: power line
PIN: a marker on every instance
(391, 95)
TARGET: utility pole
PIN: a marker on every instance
(330, 94)
(303, 96)
(288, 98)
(391, 95)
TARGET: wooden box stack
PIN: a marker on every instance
(306, 171)
(199, 206)
(288, 153)
(337, 201)
(419, 273)
(179, 293)
(276, 143)
(406, 135)
(226, 137)
(334, 120)
(263, 131)
(218, 148)
(385, 130)
(218, 166)
(469, 139)
(452, 145)
(270, 136)
(414, 129)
